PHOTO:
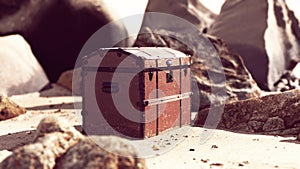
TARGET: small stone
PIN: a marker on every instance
(204, 160)
(155, 148)
(214, 146)
(54, 137)
(246, 162)
(217, 164)
(273, 124)
(9, 109)
(256, 125)
(192, 149)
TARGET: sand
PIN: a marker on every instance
(178, 148)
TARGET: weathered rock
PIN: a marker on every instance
(73, 84)
(277, 114)
(52, 124)
(57, 29)
(239, 83)
(267, 36)
(54, 138)
(9, 109)
(273, 124)
(290, 79)
(190, 10)
(101, 152)
(20, 72)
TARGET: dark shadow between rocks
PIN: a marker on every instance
(291, 141)
(54, 90)
(12, 141)
(53, 106)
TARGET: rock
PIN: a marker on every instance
(9, 109)
(213, 6)
(57, 29)
(276, 114)
(190, 10)
(52, 124)
(73, 84)
(239, 83)
(54, 137)
(20, 72)
(267, 36)
(296, 70)
(102, 152)
(273, 124)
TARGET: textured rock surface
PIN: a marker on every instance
(272, 114)
(57, 29)
(73, 84)
(290, 79)
(54, 137)
(9, 109)
(265, 35)
(101, 152)
(59, 145)
(20, 72)
(190, 10)
(239, 83)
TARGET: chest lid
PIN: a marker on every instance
(136, 53)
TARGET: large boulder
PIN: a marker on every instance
(239, 84)
(59, 145)
(20, 71)
(190, 10)
(276, 114)
(264, 32)
(54, 137)
(57, 29)
(102, 152)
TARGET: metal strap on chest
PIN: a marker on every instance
(166, 99)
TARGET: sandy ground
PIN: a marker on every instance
(188, 147)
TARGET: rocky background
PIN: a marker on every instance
(258, 42)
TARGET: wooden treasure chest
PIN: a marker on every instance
(135, 92)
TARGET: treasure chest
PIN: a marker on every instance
(135, 92)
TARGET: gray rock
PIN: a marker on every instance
(256, 125)
(101, 152)
(239, 83)
(273, 124)
(54, 138)
(190, 10)
(266, 36)
(9, 109)
(20, 72)
(276, 114)
(57, 29)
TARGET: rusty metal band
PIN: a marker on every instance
(167, 99)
